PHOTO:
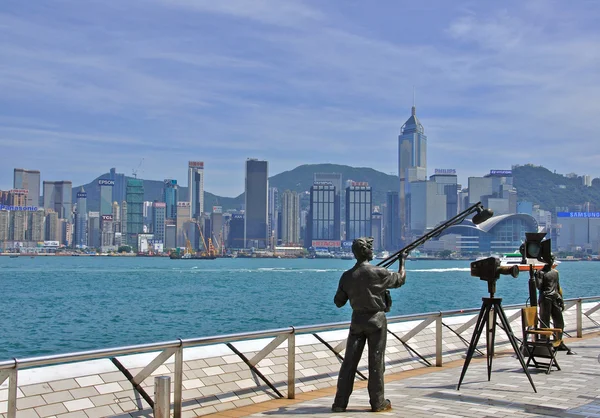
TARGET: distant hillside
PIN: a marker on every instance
(550, 190)
(535, 184)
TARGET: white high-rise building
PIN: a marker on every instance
(196, 188)
(290, 218)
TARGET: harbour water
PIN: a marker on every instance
(53, 305)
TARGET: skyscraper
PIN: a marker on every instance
(323, 224)
(81, 219)
(256, 199)
(93, 229)
(53, 230)
(135, 211)
(184, 223)
(4, 226)
(158, 220)
(274, 210)
(28, 180)
(106, 192)
(392, 222)
(58, 197)
(290, 222)
(196, 188)
(170, 197)
(120, 185)
(358, 210)
(412, 162)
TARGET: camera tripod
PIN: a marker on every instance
(491, 309)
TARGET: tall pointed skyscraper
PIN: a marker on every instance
(412, 163)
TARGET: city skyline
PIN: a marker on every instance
(102, 85)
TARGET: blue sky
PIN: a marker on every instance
(89, 85)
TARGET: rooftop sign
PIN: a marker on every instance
(578, 214)
(445, 171)
(19, 208)
(196, 164)
(106, 182)
(501, 172)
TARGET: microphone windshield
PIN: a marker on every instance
(482, 216)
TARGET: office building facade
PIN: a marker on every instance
(170, 197)
(256, 204)
(359, 208)
(28, 180)
(235, 237)
(81, 220)
(196, 188)
(53, 226)
(274, 209)
(290, 222)
(94, 238)
(184, 223)
(58, 197)
(428, 206)
(392, 241)
(135, 211)
(323, 223)
(159, 215)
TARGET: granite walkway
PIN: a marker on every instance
(431, 392)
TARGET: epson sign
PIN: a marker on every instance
(106, 182)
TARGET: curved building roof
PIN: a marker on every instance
(488, 225)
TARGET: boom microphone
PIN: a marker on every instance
(482, 216)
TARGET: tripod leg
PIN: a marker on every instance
(490, 339)
(513, 341)
(482, 320)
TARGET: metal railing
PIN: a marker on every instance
(9, 369)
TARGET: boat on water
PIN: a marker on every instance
(516, 259)
(13, 256)
(188, 256)
(382, 255)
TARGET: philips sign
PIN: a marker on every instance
(445, 171)
(106, 182)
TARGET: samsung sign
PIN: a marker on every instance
(106, 182)
(578, 214)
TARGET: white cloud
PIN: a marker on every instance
(297, 82)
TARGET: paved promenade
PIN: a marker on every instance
(431, 392)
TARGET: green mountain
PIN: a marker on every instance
(551, 190)
(533, 183)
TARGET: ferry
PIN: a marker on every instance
(515, 258)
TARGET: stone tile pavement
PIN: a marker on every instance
(431, 392)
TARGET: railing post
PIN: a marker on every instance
(438, 341)
(177, 403)
(12, 392)
(579, 318)
(162, 397)
(292, 364)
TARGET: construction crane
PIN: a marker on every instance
(135, 170)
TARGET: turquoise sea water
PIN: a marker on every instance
(52, 305)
